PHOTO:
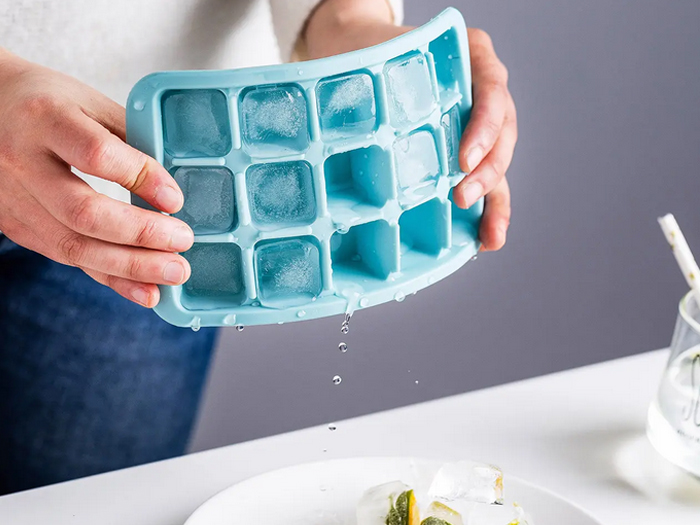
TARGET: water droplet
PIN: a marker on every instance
(337, 380)
(325, 450)
(356, 258)
(449, 57)
(342, 229)
(255, 303)
(301, 72)
(239, 327)
(313, 299)
(399, 296)
(364, 302)
(369, 136)
(139, 105)
(473, 258)
(343, 347)
(332, 427)
(416, 382)
(345, 327)
(301, 313)
(322, 488)
(195, 328)
(446, 37)
(195, 324)
(280, 322)
(230, 319)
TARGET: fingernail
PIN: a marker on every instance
(141, 296)
(472, 192)
(173, 273)
(168, 198)
(181, 239)
(474, 157)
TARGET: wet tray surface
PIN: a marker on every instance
(318, 187)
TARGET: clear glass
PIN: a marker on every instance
(673, 426)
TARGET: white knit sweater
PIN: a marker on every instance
(111, 44)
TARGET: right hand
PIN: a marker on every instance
(50, 122)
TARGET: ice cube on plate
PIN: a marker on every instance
(453, 133)
(468, 481)
(288, 271)
(196, 123)
(273, 120)
(209, 199)
(281, 193)
(346, 105)
(416, 158)
(392, 503)
(409, 88)
(440, 514)
(217, 271)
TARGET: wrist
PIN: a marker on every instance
(334, 19)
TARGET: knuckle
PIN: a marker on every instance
(132, 270)
(481, 36)
(39, 104)
(71, 248)
(135, 181)
(96, 153)
(84, 214)
(148, 232)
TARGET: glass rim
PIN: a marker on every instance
(683, 311)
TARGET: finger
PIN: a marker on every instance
(146, 295)
(75, 204)
(490, 171)
(91, 148)
(108, 113)
(490, 81)
(74, 249)
(496, 218)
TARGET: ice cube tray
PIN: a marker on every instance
(314, 188)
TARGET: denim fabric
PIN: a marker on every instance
(89, 382)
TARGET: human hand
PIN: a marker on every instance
(488, 142)
(50, 122)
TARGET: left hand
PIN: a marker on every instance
(488, 142)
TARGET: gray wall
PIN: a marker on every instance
(609, 107)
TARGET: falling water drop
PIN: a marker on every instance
(332, 427)
(195, 324)
(239, 327)
(345, 327)
(343, 347)
(337, 380)
(416, 381)
(400, 296)
(473, 258)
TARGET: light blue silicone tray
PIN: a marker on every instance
(314, 188)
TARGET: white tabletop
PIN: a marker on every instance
(579, 433)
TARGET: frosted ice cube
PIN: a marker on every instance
(453, 133)
(376, 503)
(196, 123)
(438, 514)
(209, 203)
(467, 480)
(346, 105)
(273, 120)
(416, 158)
(410, 89)
(217, 271)
(288, 270)
(281, 193)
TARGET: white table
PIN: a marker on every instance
(578, 432)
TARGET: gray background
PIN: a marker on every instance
(609, 110)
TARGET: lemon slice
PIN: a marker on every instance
(440, 514)
(404, 511)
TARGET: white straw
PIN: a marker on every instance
(682, 252)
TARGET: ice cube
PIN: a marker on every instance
(209, 199)
(288, 270)
(416, 158)
(440, 514)
(453, 133)
(376, 503)
(467, 480)
(274, 120)
(410, 89)
(346, 105)
(281, 193)
(196, 123)
(217, 271)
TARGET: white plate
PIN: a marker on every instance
(326, 494)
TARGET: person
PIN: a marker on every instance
(91, 381)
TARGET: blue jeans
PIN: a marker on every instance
(89, 382)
